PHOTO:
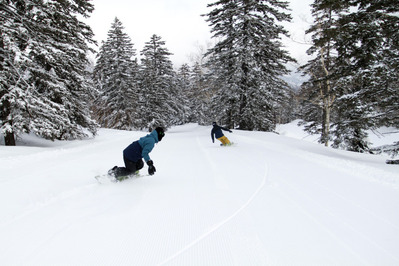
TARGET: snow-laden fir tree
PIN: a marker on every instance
(248, 61)
(159, 104)
(201, 94)
(43, 47)
(116, 79)
(354, 74)
(184, 88)
(367, 42)
(319, 92)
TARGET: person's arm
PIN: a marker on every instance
(226, 129)
(148, 145)
(147, 148)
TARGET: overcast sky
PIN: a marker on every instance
(180, 24)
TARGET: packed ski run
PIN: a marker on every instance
(271, 199)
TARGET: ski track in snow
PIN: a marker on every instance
(206, 204)
(223, 222)
(360, 170)
(355, 170)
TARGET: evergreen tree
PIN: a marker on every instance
(319, 92)
(158, 103)
(350, 128)
(200, 95)
(248, 61)
(185, 99)
(43, 48)
(222, 64)
(116, 78)
(288, 109)
(368, 54)
(354, 75)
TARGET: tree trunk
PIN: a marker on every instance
(9, 139)
(326, 121)
(328, 99)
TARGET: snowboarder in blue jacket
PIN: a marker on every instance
(135, 152)
(217, 131)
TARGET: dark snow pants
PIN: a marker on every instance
(130, 167)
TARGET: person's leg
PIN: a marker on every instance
(121, 171)
(118, 171)
(130, 167)
(133, 166)
(224, 140)
(139, 165)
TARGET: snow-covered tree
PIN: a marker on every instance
(43, 47)
(184, 95)
(367, 42)
(319, 92)
(248, 61)
(352, 119)
(201, 94)
(158, 102)
(354, 75)
(116, 79)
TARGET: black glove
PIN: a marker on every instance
(230, 131)
(151, 167)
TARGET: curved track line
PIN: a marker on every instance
(221, 223)
(349, 201)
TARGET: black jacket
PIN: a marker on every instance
(217, 131)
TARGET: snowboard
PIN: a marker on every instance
(392, 162)
(228, 145)
(103, 179)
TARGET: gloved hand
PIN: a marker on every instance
(151, 167)
(230, 131)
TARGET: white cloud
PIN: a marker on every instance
(179, 23)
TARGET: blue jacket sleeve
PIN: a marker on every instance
(148, 145)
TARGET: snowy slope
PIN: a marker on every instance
(269, 200)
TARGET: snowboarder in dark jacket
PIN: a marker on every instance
(135, 152)
(217, 131)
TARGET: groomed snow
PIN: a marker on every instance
(269, 200)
